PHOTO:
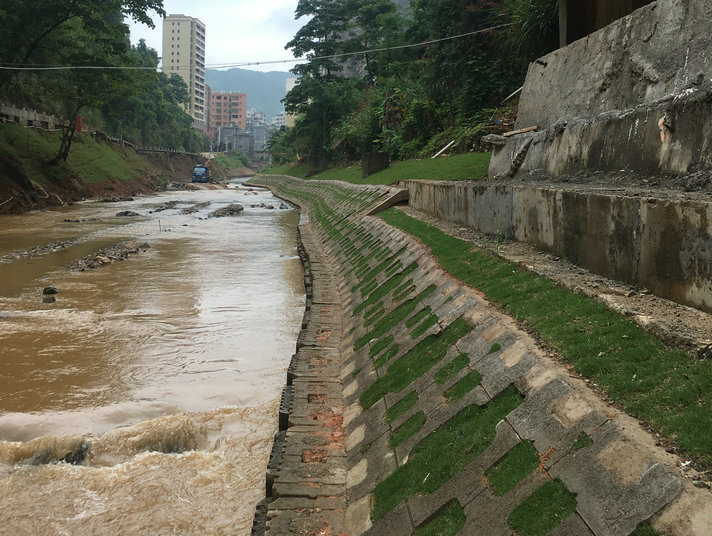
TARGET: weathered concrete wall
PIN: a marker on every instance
(661, 244)
(632, 140)
(636, 95)
(658, 51)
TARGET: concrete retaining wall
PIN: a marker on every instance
(636, 95)
(660, 244)
(657, 52)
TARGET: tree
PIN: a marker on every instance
(27, 24)
(532, 31)
(67, 92)
(320, 37)
(151, 115)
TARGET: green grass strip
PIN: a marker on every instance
(543, 510)
(373, 309)
(406, 430)
(400, 407)
(381, 345)
(392, 319)
(403, 291)
(466, 166)
(583, 441)
(513, 468)
(417, 317)
(660, 385)
(453, 367)
(444, 453)
(447, 522)
(390, 284)
(463, 386)
(415, 363)
(425, 325)
(367, 274)
(386, 357)
(644, 530)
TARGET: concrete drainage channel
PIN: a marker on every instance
(414, 407)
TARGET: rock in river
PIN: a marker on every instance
(126, 213)
(230, 210)
(49, 290)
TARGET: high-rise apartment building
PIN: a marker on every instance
(227, 110)
(184, 54)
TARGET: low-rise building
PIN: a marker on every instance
(227, 110)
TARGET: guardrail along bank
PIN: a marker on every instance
(413, 406)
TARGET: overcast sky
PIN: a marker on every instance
(236, 31)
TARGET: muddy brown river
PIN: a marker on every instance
(160, 373)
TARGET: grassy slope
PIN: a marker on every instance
(468, 166)
(228, 161)
(90, 161)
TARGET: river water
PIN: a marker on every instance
(162, 372)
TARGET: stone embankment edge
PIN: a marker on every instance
(306, 475)
(518, 353)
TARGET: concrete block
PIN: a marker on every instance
(379, 463)
(616, 485)
(396, 523)
(468, 483)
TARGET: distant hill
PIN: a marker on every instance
(264, 90)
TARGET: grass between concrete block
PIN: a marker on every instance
(583, 441)
(417, 317)
(427, 323)
(395, 317)
(379, 292)
(444, 453)
(463, 386)
(406, 430)
(453, 367)
(400, 407)
(660, 385)
(415, 363)
(386, 356)
(517, 464)
(447, 522)
(644, 530)
(543, 510)
(382, 344)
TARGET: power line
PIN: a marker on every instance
(19, 67)
(347, 54)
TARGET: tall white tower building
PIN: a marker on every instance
(184, 54)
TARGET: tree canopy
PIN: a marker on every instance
(102, 76)
(397, 97)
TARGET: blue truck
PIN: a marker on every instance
(201, 173)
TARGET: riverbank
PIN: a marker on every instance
(95, 168)
(444, 397)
